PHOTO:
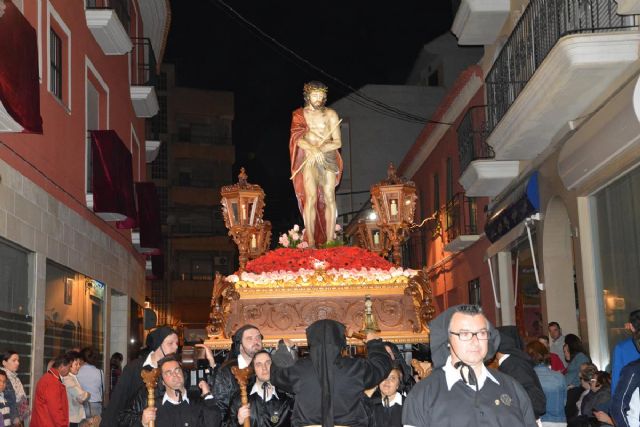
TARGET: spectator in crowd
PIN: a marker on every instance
(75, 394)
(625, 403)
(50, 404)
(597, 396)
(160, 342)
(91, 379)
(115, 366)
(14, 394)
(575, 355)
(513, 361)
(268, 406)
(173, 407)
(556, 339)
(5, 416)
(552, 382)
(625, 351)
(556, 363)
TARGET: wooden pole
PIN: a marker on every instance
(242, 377)
(150, 379)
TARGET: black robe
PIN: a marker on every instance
(430, 403)
(351, 378)
(128, 386)
(274, 413)
(385, 417)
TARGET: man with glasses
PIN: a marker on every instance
(173, 407)
(461, 391)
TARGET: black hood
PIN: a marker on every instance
(326, 339)
(236, 341)
(439, 337)
(511, 343)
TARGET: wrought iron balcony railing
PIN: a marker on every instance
(120, 7)
(542, 24)
(143, 63)
(460, 217)
(472, 137)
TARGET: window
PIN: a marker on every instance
(436, 192)
(55, 57)
(474, 291)
(449, 179)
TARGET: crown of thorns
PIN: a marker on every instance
(310, 87)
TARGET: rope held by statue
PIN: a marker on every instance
(242, 377)
(150, 379)
(321, 142)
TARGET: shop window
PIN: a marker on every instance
(618, 231)
(74, 312)
(15, 311)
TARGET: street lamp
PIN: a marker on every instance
(242, 208)
(394, 201)
(371, 236)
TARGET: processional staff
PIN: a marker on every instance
(150, 379)
(242, 377)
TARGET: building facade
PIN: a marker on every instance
(73, 238)
(550, 143)
(189, 173)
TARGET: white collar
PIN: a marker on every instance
(166, 398)
(502, 359)
(258, 389)
(242, 363)
(149, 361)
(397, 400)
(452, 375)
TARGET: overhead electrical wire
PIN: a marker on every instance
(354, 94)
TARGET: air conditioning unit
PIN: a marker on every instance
(221, 260)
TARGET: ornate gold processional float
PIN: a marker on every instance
(283, 291)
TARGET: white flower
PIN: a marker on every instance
(296, 228)
(284, 240)
(303, 245)
(294, 235)
(233, 278)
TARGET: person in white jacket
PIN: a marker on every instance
(75, 394)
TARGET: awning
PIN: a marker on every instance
(523, 202)
(19, 80)
(112, 180)
(149, 218)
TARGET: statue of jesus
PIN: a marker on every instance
(316, 164)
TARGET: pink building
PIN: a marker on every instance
(77, 220)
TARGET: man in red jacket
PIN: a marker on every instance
(50, 405)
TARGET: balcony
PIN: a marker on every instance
(143, 78)
(481, 174)
(108, 21)
(461, 226)
(563, 58)
(479, 22)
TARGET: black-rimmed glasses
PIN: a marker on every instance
(482, 334)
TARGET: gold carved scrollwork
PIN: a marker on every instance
(419, 289)
(223, 294)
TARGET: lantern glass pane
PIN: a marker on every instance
(233, 218)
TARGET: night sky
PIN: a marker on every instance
(357, 42)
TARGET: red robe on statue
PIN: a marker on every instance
(298, 129)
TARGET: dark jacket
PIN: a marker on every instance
(350, 377)
(382, 416)
(127, 388)
(628, 383)
(195, 413)
(274, 413)
(520, 366)
(225, 387)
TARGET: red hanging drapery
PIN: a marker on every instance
(149, 217)
(19, 80)
(112, 180)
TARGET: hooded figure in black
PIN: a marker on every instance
(453, 395)
(519, 365)
(223, 383)
(407, 372)
(329, 388)
(130, 381)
